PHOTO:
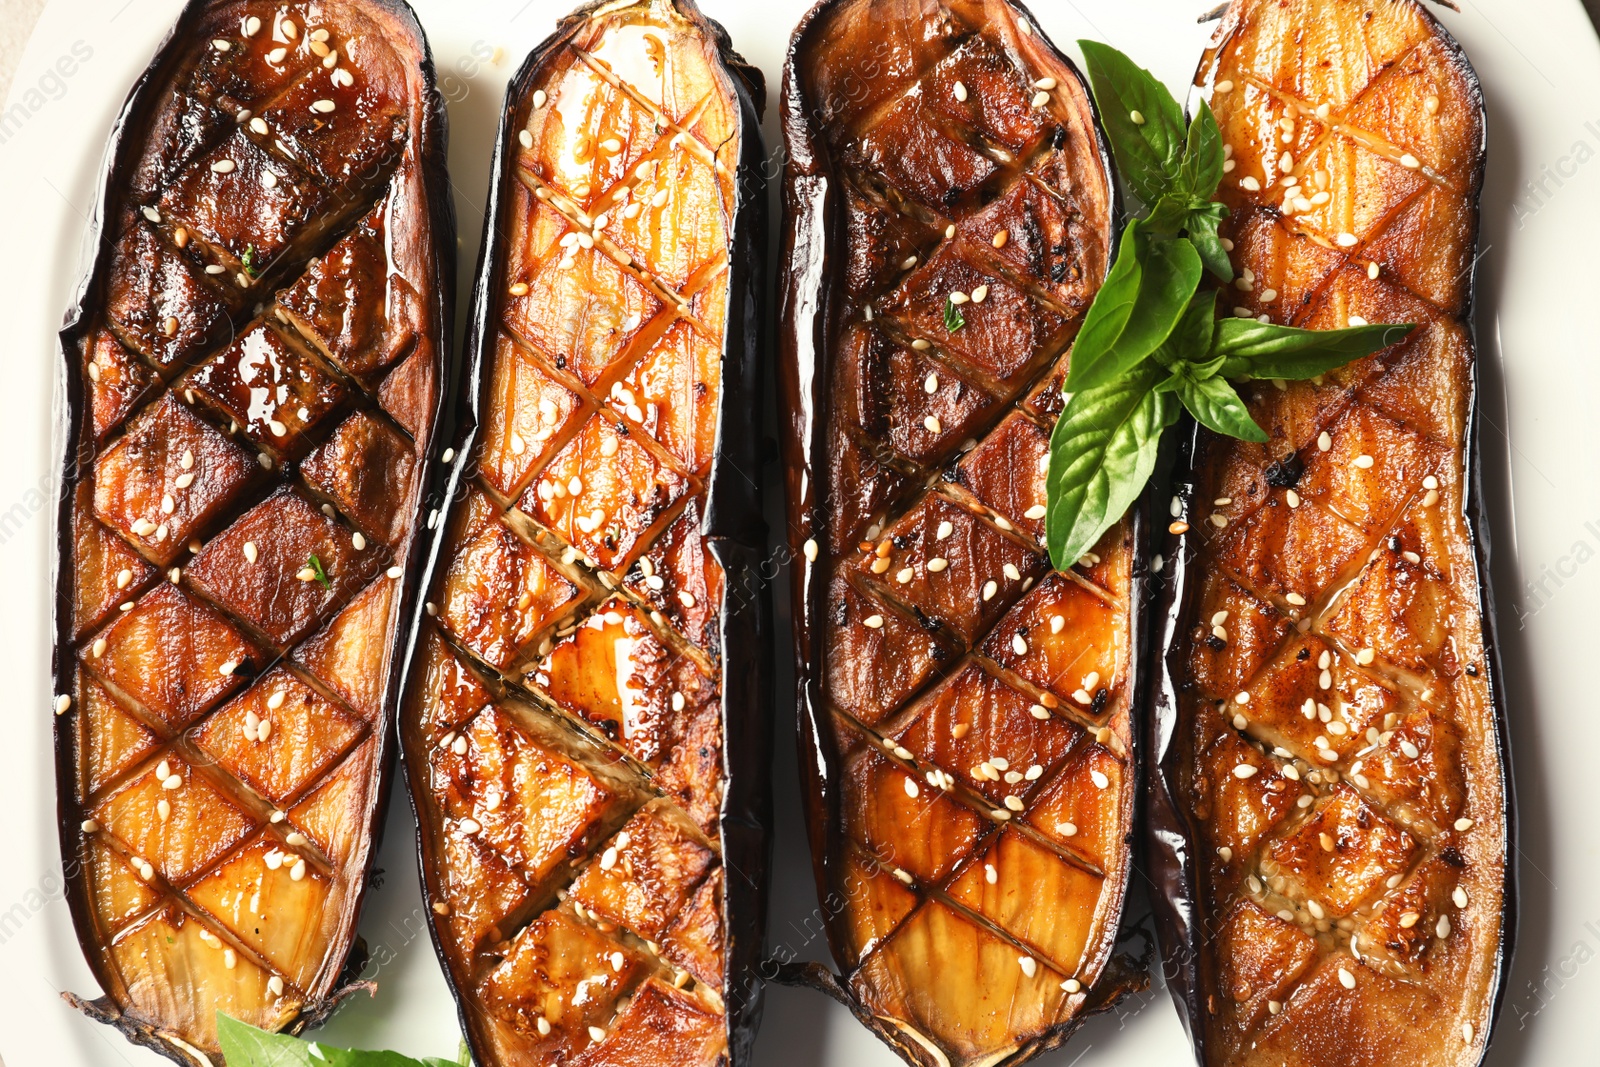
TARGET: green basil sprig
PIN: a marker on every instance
(245, 1046)
(1151, 342)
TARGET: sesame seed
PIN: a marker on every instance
(932, 424)
(1224, 86)
(921, 345)
(930, 384)
(937, 564)
(958, 298)
(1347, 979)
(989, 589)
(873, 622)
(1466, 1032)
(1442, 929)
(1324, 441)
(1366, 656)
(223, 166)
(1000, 238)
(1345, 240)
(1291, 498)
(961, 91)
(1018, 645)
(469, 826)
(1249, 183)
(1028, 965)
(1041, 98)
(810, 549)
(1356, 320)
(1010, 571)
(980, 294)
(1459, 896)
(1463, 824)
(393, 572)
(1246, 770)
(1013, 803)
(1241, 698)
(1411, 161)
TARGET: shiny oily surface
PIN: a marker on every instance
(253, 375)
(565, 730)
(1339, 759)
(967, 747)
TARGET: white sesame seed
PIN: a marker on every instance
(1345, 240)
(1365, 656)
(932, 424)
(1250, 183)
(937, 564)
(1411, 161)
(1018, 645)
(1245, 770)
(872, 622)
(1442, 929)
(1324, 441)
(1028, 965)
(961, 91)
(393, 572)
(223, 166)
(1347, 979)
(1463, 824)
(1041, 98)
(810, 549)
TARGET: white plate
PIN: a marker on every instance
(1539, 284)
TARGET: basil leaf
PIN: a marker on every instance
(1214, 404)
(1266, 350)
(1102, 451)
(1201, 170)
(1145, 293)
(245, 1046)
(1147, 152)
(1201, 228)
(1190, 340)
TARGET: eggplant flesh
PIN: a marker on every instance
(251, 372)
(1330, 814)
(586, 719)
(966, 740)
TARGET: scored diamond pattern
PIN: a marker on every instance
(1331, 662)
(978, 701)
(233, 605)
(570, 715)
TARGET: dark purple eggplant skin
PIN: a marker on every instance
(734, 528)
(1170, 862)
(810, 295)
(121, 155)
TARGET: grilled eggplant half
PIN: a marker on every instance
(586, 726)
(252, 374)
(1331, 807)
(967, 754)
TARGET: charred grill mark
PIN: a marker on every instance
(973, 705)
(233, 592)
(1337, 748)
(567, 719)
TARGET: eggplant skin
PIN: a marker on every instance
(968, 755)
(1330, 805)
(252, 369)
(586, 726)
